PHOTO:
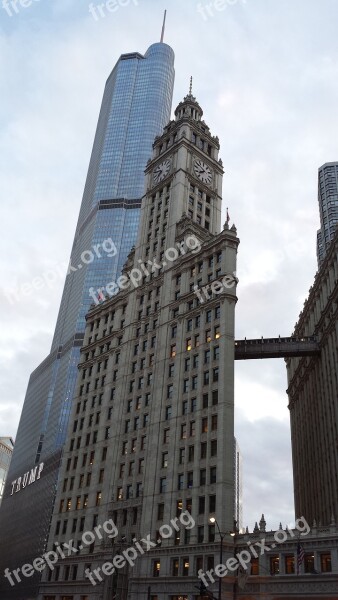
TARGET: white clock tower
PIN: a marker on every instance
(185, 166)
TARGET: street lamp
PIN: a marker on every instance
(222, 536)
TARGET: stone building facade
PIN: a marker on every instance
(151, 437)
(313, 399)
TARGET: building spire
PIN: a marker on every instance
(190, 87)
(163, 26)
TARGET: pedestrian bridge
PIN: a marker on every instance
(285, 347)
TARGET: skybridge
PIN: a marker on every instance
(281, 347)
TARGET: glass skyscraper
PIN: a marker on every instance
(136, 105)
(328, 207)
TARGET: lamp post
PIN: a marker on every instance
(222, 536)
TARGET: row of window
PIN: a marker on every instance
(84, 480)
(194, 342)
(87, 459)
(202, 479)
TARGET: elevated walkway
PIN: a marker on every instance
(276, 348)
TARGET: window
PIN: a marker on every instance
(171, 370)
(204, 427)
(180, 481)
(174, 331)
(166, 436)
(213, 448)
(214, 397)
(212, 504)
(206, 356)
(185, 570)
(309, 561)
(216, 353)
(215, 373)
(254, 566)
(98, 498)
(156, 568)
(175, 567)
(173, 350)
(201, 505)
(192, 429)
(194, 382)
(274, 565)
(289, 561)
(164, 460)
(211, 533)
(188, 345)
(190, 479)
(212, 474)
(163, 485)
(183, 431)
(200, 534)
(160, 512)
(206, 378)
(213, 422)
(185, 386)
(325, 562)
(203, 450)
(217, 332)
(195, 361)
(203, 476)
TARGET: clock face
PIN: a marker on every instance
(161, 171)
(202, 171)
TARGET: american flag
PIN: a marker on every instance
(300, 556)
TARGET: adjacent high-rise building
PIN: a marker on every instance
(150, 445)
(313, 399)
(6, 451)
(328, 207)
(136, 105)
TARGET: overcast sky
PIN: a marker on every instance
(266, 75)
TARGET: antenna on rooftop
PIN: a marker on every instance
(163, 26)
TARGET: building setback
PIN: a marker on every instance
(313, 399)
(135, 107)
(151, 435)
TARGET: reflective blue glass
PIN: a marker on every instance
(136, 106)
